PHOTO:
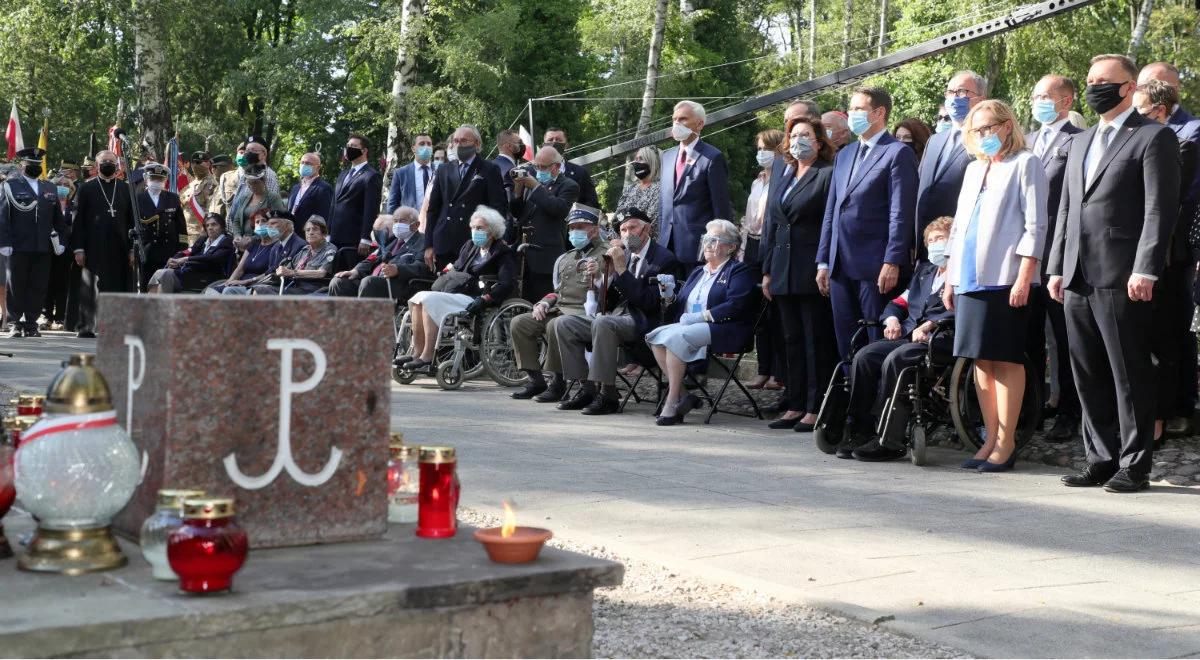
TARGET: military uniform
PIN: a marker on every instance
(195, 199)
(162, 226)
(29, 213)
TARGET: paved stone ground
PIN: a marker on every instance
(997, 565)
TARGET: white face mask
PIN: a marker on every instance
(401, 230)
(765, 157)
(155, 187)
(679, 132)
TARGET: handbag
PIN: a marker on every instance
(453, 282)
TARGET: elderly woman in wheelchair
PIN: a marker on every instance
(910, 322)
(485, 256)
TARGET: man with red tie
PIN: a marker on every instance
(695, 186)
(397, 260)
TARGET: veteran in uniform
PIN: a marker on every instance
(31, 222)
(575, 274)
(160, 222)
(200, 190)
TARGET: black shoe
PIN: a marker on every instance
(580, 401)
(602, 405)
(1093, 476)
(403, 360)
(689, 403)
(784, 423)
(531, 389)
(85, 334)
(664, 420)
(1125, 481)
(1066, 426)
(801, 427)
(554, 392)
(32, 331)
(877, 452)
(17, 332)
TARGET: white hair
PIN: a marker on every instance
(980, 83)
(406, 214)
(474, 131)
(696, 108)
(724, 230)
(495, 221)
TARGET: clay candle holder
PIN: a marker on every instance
(509, 544)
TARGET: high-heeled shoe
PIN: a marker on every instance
(989, 466)
(689, 403)
(972, 463)
(782, 423)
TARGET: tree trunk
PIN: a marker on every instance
(405, 71)
(847, 24)
(1139, 28)
(883, 23)
(651, 88)
(150, 77)
(996, 57)
(812, 39)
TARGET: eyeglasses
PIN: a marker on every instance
(960, 92)
(709, 239)
(1042, 97)
(943, 118)
(984, 131)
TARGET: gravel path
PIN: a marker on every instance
(658, 614)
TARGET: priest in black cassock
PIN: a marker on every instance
(100, 238)
(163, 228)
(31, 220)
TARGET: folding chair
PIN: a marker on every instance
(640, 353)
(729, 375)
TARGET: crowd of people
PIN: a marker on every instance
(1068, 248)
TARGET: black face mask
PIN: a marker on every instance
(251, 158)
(518, 149)
(107, 169)
(465, 152)
(1102, 98)
(558, 146)
(641, 170)
(352, 153)
(33, 170)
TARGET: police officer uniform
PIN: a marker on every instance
(195, 197)
(571, 285)
(163, 229)
(31, 221)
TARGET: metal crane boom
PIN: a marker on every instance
(1019, 17)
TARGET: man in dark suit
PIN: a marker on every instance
(557, 138)
(411, 181)
(355, 199)
(909, 322)
(509, 149)
(540, 206)
(635, 305)
(458, 188)
(1187, 130)
(946, 159)
(312, 195)
(865, 251)
(387, 270)
(162, 228)
(694, 186)
(1119, 206)
(1053, 97)
(29, 213)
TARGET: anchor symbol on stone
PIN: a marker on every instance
(283, 456)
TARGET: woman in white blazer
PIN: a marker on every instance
(998, 237)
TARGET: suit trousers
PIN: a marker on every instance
(873, 377)
(605, 334)
(1041, 309)
(1111, 338)
(54, 308)
(1173, 309)
(27, 286)
(525, 332)
(116, 278)
(855, 300)
(807, 328)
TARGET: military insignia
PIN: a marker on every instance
(151, 220)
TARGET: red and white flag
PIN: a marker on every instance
(527, 140)
(13, 133)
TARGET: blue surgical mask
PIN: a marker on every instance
(544, 177)
(307, 170)
(765, 157)
(959, 106)
(937, 253)
(63, 192)
(943, 126)
(801, 148)
(273, 233)
(859, 122)
(1043, 111)
(402, 230)
(479, 237)
(424, 153)
(579, 238)
(990, 145)
(261, 232)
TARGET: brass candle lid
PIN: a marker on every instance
(79, 388)
(174, 498)
(208, 508)
(437, 455)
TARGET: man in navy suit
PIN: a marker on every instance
(355, 199)
(312, 195)
(866, 244)
(29, 212)
(557, 138)
(635, 302)
(458, 188)
(695, 186)
(412, 181)
(946, 160)
(1053, 97)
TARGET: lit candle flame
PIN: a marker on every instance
(510, 521)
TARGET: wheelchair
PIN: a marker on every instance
(939, 392)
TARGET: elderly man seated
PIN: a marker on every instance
(281, 227)
(386, 272)
(575, 274)
(637, 261)
(908, 323)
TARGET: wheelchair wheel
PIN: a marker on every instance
(917, 445)
(403, 346)
(968, 418)
(449, 376)
(830, 426)
(496, 348)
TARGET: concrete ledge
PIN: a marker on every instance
(398, 597)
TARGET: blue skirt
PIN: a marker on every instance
(688, 342)
(986, 327)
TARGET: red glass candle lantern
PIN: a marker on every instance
(30, 404)
(438, 499)
(8, 492)
(209, 548)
